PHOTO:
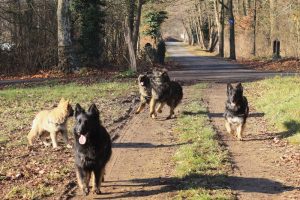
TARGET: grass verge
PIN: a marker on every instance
(278, 98)
(202, 163)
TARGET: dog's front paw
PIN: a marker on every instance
(97, 191)
(85, 191)
(153, 116)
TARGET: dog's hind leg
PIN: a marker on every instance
(159, 109)
(239, 131)
(152, 108)
(141, 107)
(97, 178)
(64, 134)
(171, 112)
(228, 127)
(83, 179)
(53, 136)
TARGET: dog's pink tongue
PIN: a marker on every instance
(82, 139)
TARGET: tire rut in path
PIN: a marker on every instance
(141, 166)
(256, 172)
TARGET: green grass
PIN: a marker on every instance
(202, 163)
(127, 74)
(279, 99)
(26, 192)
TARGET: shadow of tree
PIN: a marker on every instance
(292, 127)
(144, 145)
(245, 184)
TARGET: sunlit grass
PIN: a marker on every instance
(201, 162)
(279, 99)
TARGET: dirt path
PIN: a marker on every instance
(141, 165)
(258, 170)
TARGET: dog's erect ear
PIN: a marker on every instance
(94, 110)
(239, 87)
(78, 110)
(229, 87)
(62, 100)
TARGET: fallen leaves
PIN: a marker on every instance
(282, 65)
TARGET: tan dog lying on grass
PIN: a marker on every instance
(52, 122)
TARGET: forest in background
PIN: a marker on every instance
(35, 36)
(255, 24)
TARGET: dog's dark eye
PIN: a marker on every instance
(79, 121)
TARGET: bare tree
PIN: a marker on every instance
(232, 33)
(219, 15)
(65, 51)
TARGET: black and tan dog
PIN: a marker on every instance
(92, 148)
(164, 92)
(145, 91)
(236, 110)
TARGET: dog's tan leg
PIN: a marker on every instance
(239, 132)
(53, 136)
(159, 109)
(152, 108)
(171, 112)
(97, 178)
(64, 134)
(141, 107)
(228, 127)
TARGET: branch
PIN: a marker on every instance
(220, 2)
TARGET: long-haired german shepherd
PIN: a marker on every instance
(92, 148)
(236, 110)
(164, 91)
(145, 91)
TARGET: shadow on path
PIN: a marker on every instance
(257, 185)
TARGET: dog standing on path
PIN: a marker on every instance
(164, 92)
(93, 148)
(145, 91)
(236, 110)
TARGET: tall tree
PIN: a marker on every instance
(254, 28)
(231, 29)
(129, 27)
(66, 57)
(219, 15)
(137, 23)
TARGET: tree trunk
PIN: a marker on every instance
(200, 22)
(136, 31)
(220, 24)
(66, 61)
(231, 28)
(132, 56)
(254, 29)
(273, 22)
